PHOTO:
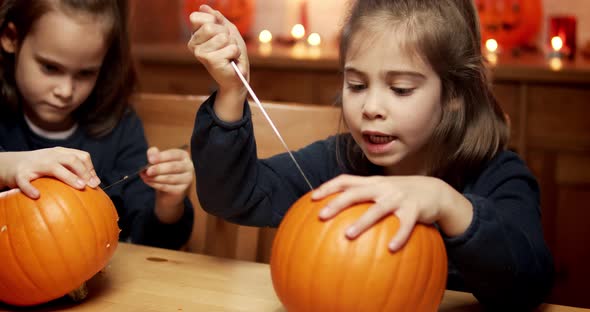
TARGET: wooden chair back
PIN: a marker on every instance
(168, 122)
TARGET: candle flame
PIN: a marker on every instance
(492, 45)
(556, 43)
(298, 31)
(314, 39)
(265, 36)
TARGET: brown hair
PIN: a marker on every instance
(109, 100)
(445, 34)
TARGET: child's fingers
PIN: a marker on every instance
(153, 155)
(170, 179)
(347, 199)
(27, 188)
(80, 163)
(407, 220)
(198, 19)
(206, 32)
(10, 192)
(335, 185)
(375, 213)
(170, 155)
(184, 167)
(68, 177)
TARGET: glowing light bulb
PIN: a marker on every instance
(314, 39)
(265, 36)
(298, 31)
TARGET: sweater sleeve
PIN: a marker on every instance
(232, 183)
(502, 256)
(135, 200)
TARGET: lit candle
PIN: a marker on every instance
(265, 47)
(555, 62)
(492, 49)
(265, 36)
(492, 45)
(556, 44)
(314, 39)
(298, 32)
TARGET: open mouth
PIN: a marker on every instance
(379, 139)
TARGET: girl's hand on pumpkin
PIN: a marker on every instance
(170, 174)
(411, 198)
(73, 167)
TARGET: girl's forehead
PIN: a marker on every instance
(393, 40)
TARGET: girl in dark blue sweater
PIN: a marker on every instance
(426, 142)
(66, 77)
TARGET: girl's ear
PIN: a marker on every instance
(9, 38)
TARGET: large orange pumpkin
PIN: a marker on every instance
(314, 267)
(239, 12)
(511, 23)
(52, 245)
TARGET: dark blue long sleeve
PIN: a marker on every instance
(502, 258)
(118, 154)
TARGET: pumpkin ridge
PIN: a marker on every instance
(294, 237)
(95, 258)
(389, 302)
(17, 263)
(416, 282)
(383, 235)
(60, 250)
(11, 257)
(71, 224)
(345, 277)
(316, 265)
(422, 304)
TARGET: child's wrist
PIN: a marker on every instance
(456, 212)
(169, 208)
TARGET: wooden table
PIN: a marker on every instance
(146, 279)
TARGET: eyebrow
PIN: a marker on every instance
(389, 74)
(46, 60)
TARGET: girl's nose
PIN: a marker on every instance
(65, 89)
(372, 107)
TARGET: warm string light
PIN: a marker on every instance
(555, 62)
(298, 31)
(314, 39)
(492, 49)
(265, 46)
(492, 45)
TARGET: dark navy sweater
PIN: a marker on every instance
(501, 258)
(118, 154)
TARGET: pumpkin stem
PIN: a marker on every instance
(79, 293)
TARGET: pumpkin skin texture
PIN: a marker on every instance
(239, 12)
(52, 245)
(512, 23)
(314, 267)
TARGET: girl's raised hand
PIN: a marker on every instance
(73, 167)
(170, 174)
(411, 198)
(215, 42)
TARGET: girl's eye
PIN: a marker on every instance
(402, 91)
(87, 74)
(48, 68)
(355, 87)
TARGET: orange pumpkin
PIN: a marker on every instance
(314, 267)
(239, 12)
(511, 23)
(52, 245)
